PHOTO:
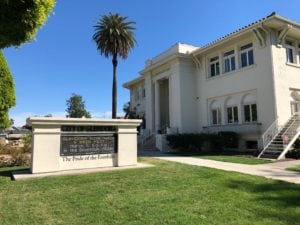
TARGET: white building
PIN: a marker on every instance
(245, 82)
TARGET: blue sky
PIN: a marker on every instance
(63, 59)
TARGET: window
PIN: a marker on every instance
(216, 116)
(216, 113)
(144, 93)
(246, 53)
(289, 45)
(232, 114)
(250, 113)
(136, 94)
(214, 66)
(229, 61)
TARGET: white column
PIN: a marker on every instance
(149, 103)
(221, 63)
(157, 106)
(236, 56)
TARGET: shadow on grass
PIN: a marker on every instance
(7, 171)
(281, 195)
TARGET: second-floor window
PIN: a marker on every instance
(290, 49)
(229, 61)
(246, 54)
(214, 66)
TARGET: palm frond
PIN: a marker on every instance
(114, 35)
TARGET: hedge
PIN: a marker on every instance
(217, 141)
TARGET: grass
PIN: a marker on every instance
(234, 158)
(294, 168)
(169, 193)
(243, 159)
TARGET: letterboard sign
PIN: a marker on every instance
(88, 144)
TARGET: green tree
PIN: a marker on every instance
(7, 92)
(128, 113)
(76, 107)
(20, 20)
(114, 37)
(126, 109)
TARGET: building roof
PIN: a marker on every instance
(272, 21)
(133, 82)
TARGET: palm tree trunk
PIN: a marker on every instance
(114, 87)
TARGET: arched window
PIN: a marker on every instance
(232, 111)
(295, 102)
(250, 109)
(216, 113)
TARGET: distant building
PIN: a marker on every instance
(245, 82)
(14, 135)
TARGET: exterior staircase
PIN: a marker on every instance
(280, 139)
(146, 141)
(148, 144)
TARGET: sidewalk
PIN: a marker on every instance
(274, 170)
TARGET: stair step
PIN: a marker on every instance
(277, 141)
(273, 152)
(275, 146)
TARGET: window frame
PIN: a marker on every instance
(248, 50)
(144, 92)
(251, 112)
(290, 48)
(229, 58)
(214, 61)
(218, 116)
(234, 115)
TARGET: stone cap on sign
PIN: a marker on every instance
(32, 121)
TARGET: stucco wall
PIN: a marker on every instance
(287, 77)
(257, 77)
(188, 96)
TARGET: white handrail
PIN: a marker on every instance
(291, 131)
(288, 137)
(270, 133)
(286, 149)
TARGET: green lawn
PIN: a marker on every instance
(294, 168)
(234, 158)
(169, 193)
(243, 159)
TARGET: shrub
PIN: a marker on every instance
(224, 139)
(27, 143)
(295, 154)
(20, 159)
(187, 141)
(16, 156)
(194, 142)
(297, 144)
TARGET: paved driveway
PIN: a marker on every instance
(276, 170)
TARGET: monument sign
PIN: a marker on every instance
(71, 143)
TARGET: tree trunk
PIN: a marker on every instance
(114, 87)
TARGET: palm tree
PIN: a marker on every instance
(114, 37)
